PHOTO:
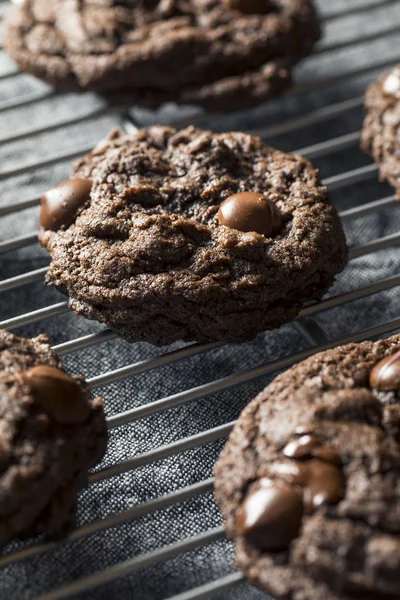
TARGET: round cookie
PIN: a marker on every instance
(309, 480)
(149, 253)
(223, 55)
(53, 431)
(380, 134)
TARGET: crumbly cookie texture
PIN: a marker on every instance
(309, 480)
(224, 55)
(53, 431)
(147, 253)
(380, 134)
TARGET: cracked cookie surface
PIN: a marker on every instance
(146, 254)
(52, 432)
(380, 134)
(221, 55)
(308, 482)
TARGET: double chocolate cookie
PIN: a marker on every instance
(222, 54)
(52, 432)
(380, 134)
(171, 235)
(309, 480)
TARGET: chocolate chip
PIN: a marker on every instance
(322, 482)
(58, 394)
(302, 447)
(248, 211)
(310, 446)
(60, 204)
(271, 515)
(391, 84)
(327, 454)
(386, 374)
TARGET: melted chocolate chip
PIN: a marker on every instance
(322, 482)
(271, 515)
(391, 84)
(302, 447)
(57, 393)
(61, 204)
(248, 211)
(310, 446)
(386, 374)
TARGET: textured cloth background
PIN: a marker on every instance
(81, 558)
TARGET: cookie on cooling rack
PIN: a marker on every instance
(380, 134)
(169, 235)
(221, 54)
(53, 431)
(309, 480)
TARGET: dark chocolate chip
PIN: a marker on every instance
(386, 374)
(58, 394)
(271, 515)
(302, 447)
(327, 454)
(61, 204)
(249, 211)
(310, 446)
(322, 482)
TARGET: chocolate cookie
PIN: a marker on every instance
(53, 431)
(222, 54)
(380, 134)
(309, 481)
(190, 235)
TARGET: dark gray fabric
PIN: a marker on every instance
(68, 562)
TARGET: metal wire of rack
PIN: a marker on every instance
(307, 326)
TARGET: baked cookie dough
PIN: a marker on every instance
(380, 134)
(53, 431)
(309, 480)
(220, 54)
(169, 235)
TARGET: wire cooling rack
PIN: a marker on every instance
(331, 101)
